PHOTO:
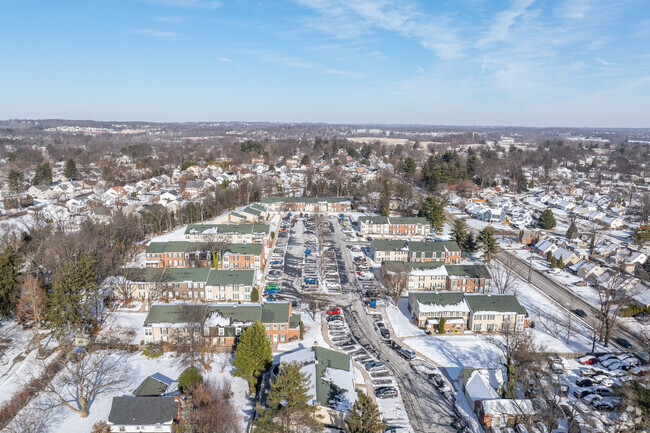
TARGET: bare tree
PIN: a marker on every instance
(315, 302)
(191, 344)
(396, 280)
(31, 306)
(84, 378)
(156, 287)
(217, 247)
(210, 408)
(504, 276)
(614, 293)
(30, 420)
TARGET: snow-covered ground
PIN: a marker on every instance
(120, 322)
(66, 421)
(400, 320)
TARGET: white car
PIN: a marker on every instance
(553, 271)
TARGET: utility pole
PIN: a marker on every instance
(530, 266)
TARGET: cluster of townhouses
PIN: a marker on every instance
(422, 276)
(393, 226)
(446, 252)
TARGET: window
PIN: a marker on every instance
(235, 296)
(237, 331)
(283, 337)
(282, 326)
(164, 331)
(222, 341)
(221, 331)
(247, 289)
(491, 317)
(275, 326)
(477, 327)
(268, 327)
(148, 331)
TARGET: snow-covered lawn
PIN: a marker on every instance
(176, 235)
(400, 319)
(120, 321)
(66, 421)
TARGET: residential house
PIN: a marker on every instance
(426, 276)
(568, 257)
(499, 413)
(183, 254)
(586, 269)
(544, 246)
(222, 324)
(468, 278)
(614, 223)
(144, 414)
(479, 384)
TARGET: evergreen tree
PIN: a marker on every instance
(572, 230)
(288, 400)
(305, 160)
(433, 209)
(9, 281)
(364, 416)
(547, 220)
(441, 326)
(560, 263)
(74, 296)
(642, 236)
(188, 377)
(408, 165)
(255, 295)
(43, 174)
(553, 262)
(521, 235)
(252, 354)
(459, 233)
(70, 170)
(488, 243)
(471, 245)
(14, 180)
(549, 256)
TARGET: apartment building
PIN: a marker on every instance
(393, 226)
(308, 204)
(446, 252)
(426, 276)
(221, 324)
(166, 255)
(476, 312)
(427, 308)
(203, 284)
(492, 313)
(231, 233)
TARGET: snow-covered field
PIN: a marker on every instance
(400, 320)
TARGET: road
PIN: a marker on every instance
(565, 298)
(428, 410)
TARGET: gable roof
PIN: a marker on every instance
(143, 410)
(496, 303)
(226, 277)
(469, 271)
(154, 386)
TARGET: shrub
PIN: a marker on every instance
(188, 377)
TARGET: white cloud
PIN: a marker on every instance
(598, 59)
(419, 70)
(224, 59)
(291, 62)
(351, 19)
(160, 34)
(172, 20)
(503, 21)
(194, 4)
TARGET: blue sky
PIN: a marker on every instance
(460, 62)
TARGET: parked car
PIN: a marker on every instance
(334, 310)
(579, 393)
(335, 318)
(579, 312)
(587, 360)
(585, 382)
(557, 368)
(276, 262)
(587, 372)
(374, 365)
(604, 392)
(605, 406)
(385, 333)
(407, 353)
(272, 291)
(385, 392)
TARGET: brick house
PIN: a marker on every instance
(308, 204)
(393, 226)
(425, 276)
(231, 233)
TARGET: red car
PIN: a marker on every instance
(334, 310)
(587, 360)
